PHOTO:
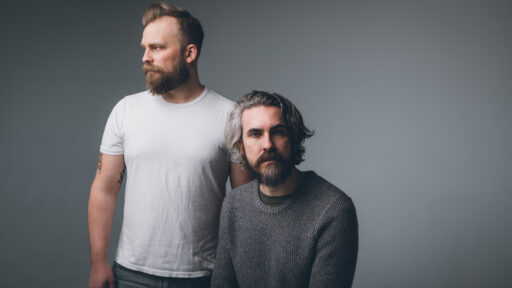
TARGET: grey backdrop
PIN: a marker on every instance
(411, 102)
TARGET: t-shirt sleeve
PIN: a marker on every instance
(112, 141)
(227, 109)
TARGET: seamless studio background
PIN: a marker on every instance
(411, 102)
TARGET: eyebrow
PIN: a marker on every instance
(278, 126)
(273, 128)
(151, 44)
(253, 130)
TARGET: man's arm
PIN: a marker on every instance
(238, 175)
(102, 204)
(336, 257)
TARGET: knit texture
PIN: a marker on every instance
(309, 241)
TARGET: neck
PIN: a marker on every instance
(186, 92)
(287, 187)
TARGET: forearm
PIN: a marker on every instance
(238, 175)
(102, 203)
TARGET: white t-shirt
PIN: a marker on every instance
(176, 169)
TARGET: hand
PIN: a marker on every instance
(101, 276)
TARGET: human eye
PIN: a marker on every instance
(254, 133)
(156, 47)
(280, 131)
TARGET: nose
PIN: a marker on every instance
(147, 58)
(267, 142)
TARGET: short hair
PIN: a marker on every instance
(191, 29)
(297, 131)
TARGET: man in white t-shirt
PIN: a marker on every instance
(170, 143)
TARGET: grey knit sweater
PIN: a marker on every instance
(309, 241)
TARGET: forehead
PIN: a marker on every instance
(161, 29)
(261, 117)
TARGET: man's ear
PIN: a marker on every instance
(241, 146)
(191, 53)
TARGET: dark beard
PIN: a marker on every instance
(161, 81)
(274, 174)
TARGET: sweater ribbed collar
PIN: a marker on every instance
(290, 200)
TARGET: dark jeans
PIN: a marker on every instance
(127, 278)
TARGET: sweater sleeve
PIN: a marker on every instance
(337, 244)
(223, 270)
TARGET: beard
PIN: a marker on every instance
(274, 173)
(160, 81)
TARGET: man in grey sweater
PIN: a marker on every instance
(287, 228)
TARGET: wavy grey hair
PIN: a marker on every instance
(297, 131)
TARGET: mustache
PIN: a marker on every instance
(268, 156)
(151, 68)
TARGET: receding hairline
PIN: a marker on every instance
(161, 9)
(164, 17)
(176, 30)
(170, 21)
